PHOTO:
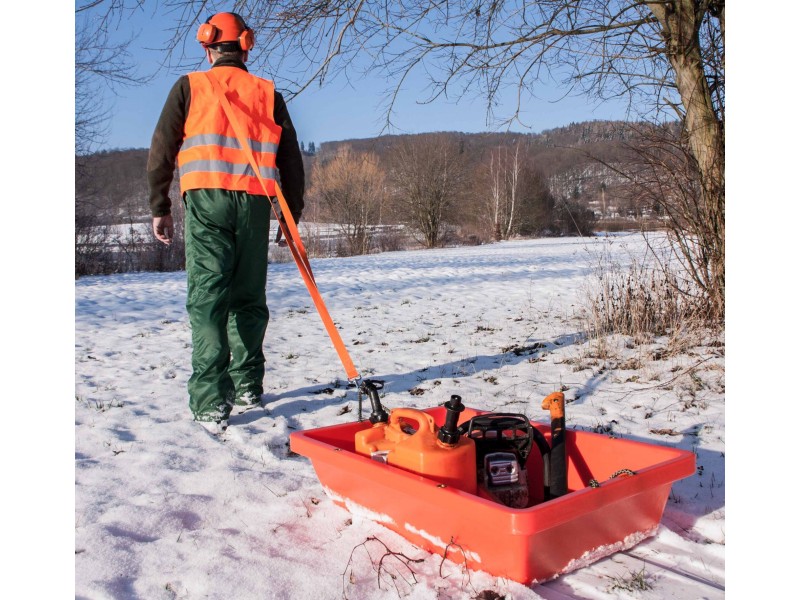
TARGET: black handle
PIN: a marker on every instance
(370, 388)
(449, 433)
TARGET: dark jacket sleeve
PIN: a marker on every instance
(164, 147)
(289, 160)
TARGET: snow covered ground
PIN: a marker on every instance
(162, 510)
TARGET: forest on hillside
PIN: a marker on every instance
(399, 191)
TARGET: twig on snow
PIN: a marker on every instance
(465, 570)
(380, 567)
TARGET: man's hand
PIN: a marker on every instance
(279, 236)
(162, 229)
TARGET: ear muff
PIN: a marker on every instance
(247, 40)
(207, 33)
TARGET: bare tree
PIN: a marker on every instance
(351, 189)
(655, 52)
(427, 174)
(101, 65)
(505, 169)
(662, 172)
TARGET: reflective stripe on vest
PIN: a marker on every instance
(211, 156)
(211, 139)
(221, 166)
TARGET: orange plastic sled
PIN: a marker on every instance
(616, 493)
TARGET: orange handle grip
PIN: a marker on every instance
(555, 402)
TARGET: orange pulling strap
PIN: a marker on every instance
(291, 235)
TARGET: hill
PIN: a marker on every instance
(398, 192)
(112, 185)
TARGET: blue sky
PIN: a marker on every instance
(340, 109)
(355, 110)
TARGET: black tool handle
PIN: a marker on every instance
(558, 448)
(371, 388)
(449, 433)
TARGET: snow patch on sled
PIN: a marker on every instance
(595, 554)
(439, 543)
(358, 510)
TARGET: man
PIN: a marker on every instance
(227, 212)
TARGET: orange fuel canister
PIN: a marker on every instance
(420, 450)
(380, 439)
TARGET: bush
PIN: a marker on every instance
(391, 239)
(570, 218)
(641, 302)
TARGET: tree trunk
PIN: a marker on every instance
(495, 196)
(513, 193)
(681, 22)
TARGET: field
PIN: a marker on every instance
(165, 511)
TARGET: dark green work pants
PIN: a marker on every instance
(227, 235)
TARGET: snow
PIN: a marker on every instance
(163, 510)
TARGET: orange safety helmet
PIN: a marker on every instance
(226, 27)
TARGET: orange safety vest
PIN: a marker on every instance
(211, 156)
